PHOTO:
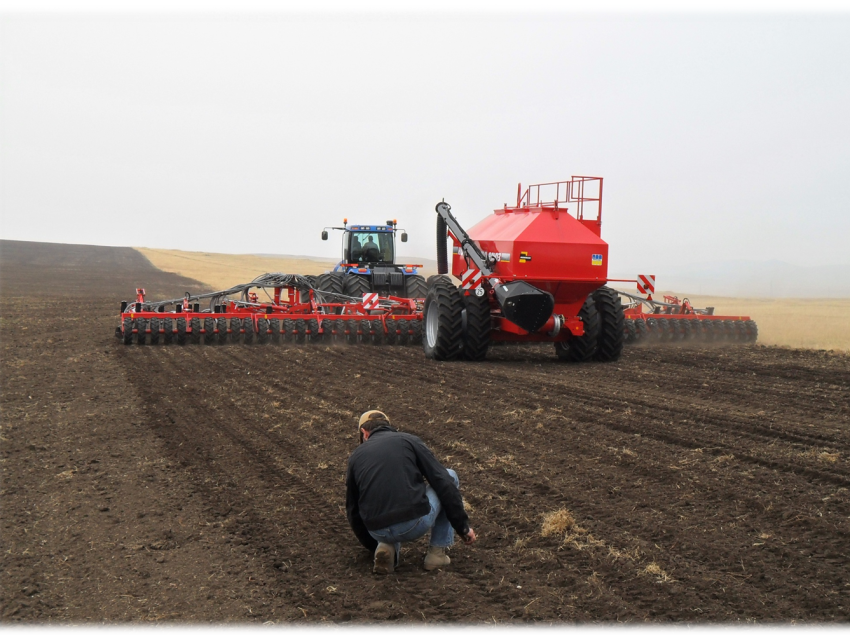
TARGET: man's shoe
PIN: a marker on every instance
(436, 558)
(384, 559)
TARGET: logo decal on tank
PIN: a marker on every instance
(524, 257)
(596, 259)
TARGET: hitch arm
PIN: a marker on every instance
(470, 250)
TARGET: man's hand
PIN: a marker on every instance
(469, 538)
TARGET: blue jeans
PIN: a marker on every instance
(442, 533)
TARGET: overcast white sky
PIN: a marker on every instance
(719, 136)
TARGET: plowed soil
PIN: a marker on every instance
(206, 483)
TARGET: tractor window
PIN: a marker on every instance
(372, 247)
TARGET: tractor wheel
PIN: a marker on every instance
(443, 339)
(195, 336)
(580, 349)
(686, 328)
(333, 282)
(731, 331)
(357, 286)
(299, 329)
(739, 331)
(236, 330)
(377, 331)
(402, 336)
(664, 332)
(154, 331)
(415, 287)
(414, 334)
(209, 331)
(127, 326)
(221, 326)
(311, 334)
(304, 295)
(274, 326)
(629, 329)
(476, 337)
(141, 325)
(752, 331)
(438, 278)
(288, 329)
(350, 330)
(181, 331)
(641, 331)
(248, 326)
(653, 332)
(609, 343)
(167, 331)
(390, 338)
(262, 330)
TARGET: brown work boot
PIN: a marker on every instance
(384, 559)
(436, 558)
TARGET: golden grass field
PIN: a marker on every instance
(805, 323)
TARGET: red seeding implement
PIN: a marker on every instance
(536, 272)
(298, 309)
(675, 320)
(533, 272)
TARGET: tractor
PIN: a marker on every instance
(369, 264)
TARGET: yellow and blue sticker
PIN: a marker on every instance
(596, 259)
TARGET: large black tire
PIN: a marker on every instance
(752, 331)
(236, 330)
(476, 336)
(580, 349)
(609, 343)
(630, 330)
(391, 337)
(262, 330)
(274, 326)
(436, 278)
(167, 331)
(304, 295)
(181, 331)
(313, 335)
(195, 336)
(356, 285)
(687, 329)
(377, 335)
(154, 331)
(300, 331)
(141, 326)
(209, 331)
(414, 334)
(248, 326)
(333, 282)
(415, 287)
(351, 328)
(288, 326)
(127, 332)
(641, 330)
(221, 326)
(443, 338)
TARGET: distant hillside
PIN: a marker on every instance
(754, 279)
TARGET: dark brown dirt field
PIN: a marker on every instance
(205, 483)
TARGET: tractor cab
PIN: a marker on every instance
(369, 244)
(369, 263)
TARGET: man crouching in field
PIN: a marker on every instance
(388, 502)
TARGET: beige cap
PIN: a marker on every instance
(374, 414)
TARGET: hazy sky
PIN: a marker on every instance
(719, 137)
